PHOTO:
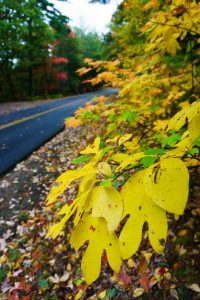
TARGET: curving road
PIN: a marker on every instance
(24, 131)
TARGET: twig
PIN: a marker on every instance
(177, 26)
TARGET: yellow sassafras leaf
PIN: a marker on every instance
(64, 180)
(85, 192)
(61, 184)
(172, 45)
(92, 149)
(107, 203)
(124, 138)
(191, 162)
(160, 125)
(141, 209)
(194, 127)
(105, 169)
(181, 148)
(55, 229)
(95, 231)
(168, 184)
(83, 202)
(68, 211)
(133, 145)
(130, 160)
(119, 157)
(178, 120)
(113, 140)
(194, 110)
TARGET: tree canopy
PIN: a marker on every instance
(39, 52)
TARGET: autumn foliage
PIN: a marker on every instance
(137, 172)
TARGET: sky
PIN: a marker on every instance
(88, 16)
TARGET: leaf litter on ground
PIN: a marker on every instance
(33, 267)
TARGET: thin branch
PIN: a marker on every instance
(177, 26)
(192, 64)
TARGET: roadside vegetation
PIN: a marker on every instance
(135, 176)
(122, 218)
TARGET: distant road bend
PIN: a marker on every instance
(24, 131)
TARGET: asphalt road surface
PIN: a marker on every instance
(24, 131)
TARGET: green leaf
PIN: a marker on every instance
(154, 151)
(102, 143)
(194, 151)
(106, 149)
(112, 117)
(197, 143)
(111, 294)
(81, 159)
(171, 140)
(23, 216)
(112, 126)
(3, 273)
(129, 116)
(148, 161)
(13, 254)
(158, 137)
(78, 281)
(91, 116)
(43, 283)
(106, 182)
(154, 107)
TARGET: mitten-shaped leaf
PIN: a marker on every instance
(95, 231)
(167, 184)
(141, 209)
(107, 203)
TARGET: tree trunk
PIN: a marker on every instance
(30, 67)
(8, 75)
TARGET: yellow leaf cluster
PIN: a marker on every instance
(144, 139)
(72, 122)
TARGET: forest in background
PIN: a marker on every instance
(40, 53)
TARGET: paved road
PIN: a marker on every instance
(24, 131)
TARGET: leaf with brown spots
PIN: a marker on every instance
(95, 231)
